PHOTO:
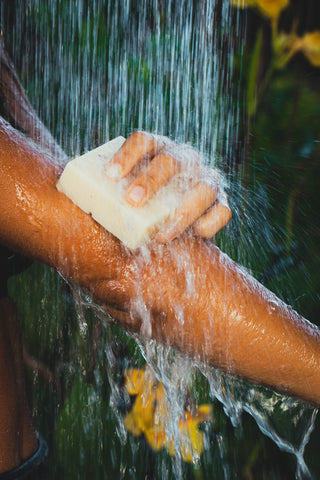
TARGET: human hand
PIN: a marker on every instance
(204, 205)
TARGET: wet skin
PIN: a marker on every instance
(230, 320)
(17, 435)
(204, 205)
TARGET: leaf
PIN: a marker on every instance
(253, 76)
(82, 433)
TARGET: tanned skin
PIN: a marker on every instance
(229, 320)
(18, 439)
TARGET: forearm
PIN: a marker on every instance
(40, 222)
(217, 311)
(198, 299)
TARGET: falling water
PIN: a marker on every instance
(95, 70)
(111, 68)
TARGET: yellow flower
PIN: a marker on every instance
(134, 380)
(272, 8)
(309, 44)
(141, 415)
(191, 440)
(142, 384)
(150, 407)
(157, 438)
(269, 8)
(150, 415)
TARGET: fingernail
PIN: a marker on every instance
(114, 170)
(136, 195)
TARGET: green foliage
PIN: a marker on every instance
(286, 163)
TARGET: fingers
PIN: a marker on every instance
(136, 147)
(157, 173)
(166, 162)
(198, 200)
(217, 217)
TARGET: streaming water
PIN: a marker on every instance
(98, 69)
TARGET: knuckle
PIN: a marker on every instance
(139, 136)
(151, 178)
(165, 162)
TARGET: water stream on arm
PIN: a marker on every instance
(96, 70)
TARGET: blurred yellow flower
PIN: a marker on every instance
(148, 397)
(309, 44)
(134, 380)
(191, 438)
(269, 8)
(272, 8)
(150, 415)
(192, 444)
(156, 437)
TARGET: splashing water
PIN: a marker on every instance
(272, 412)
(96, 70)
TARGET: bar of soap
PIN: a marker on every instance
(85, 183)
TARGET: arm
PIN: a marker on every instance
(230, 320)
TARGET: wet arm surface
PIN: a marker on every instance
(195, 297)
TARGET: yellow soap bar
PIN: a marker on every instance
(84, 181)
